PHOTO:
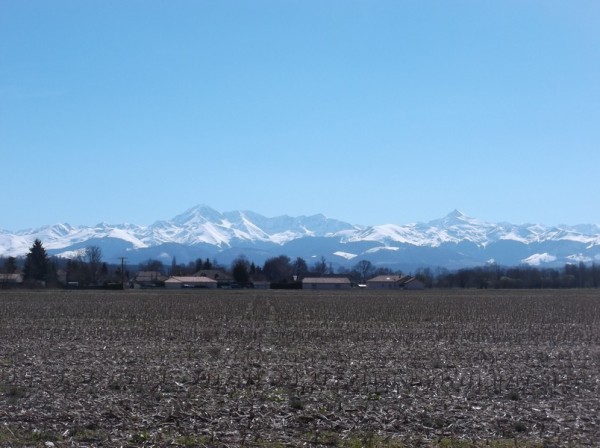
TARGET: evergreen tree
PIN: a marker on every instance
(36, 263)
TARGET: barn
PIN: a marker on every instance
(326, 283)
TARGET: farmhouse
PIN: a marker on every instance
(394, 282)
(326, 283)
(190, 282)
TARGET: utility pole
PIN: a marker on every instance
(123, 271)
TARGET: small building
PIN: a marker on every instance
(414, 284)
(147, 279)
(190, 282)
(223, 279)
(326, 283)
(261, 285)
(7, 280)
(62, 277)
(387, 282)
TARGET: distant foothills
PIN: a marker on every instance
(437, 252)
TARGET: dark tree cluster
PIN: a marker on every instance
(183, 269)
(9, 265)
(530, 277)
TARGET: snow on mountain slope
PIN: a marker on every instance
(11, 244)
(538, 259)
(457, 227)
(345, 255)
(381, 248)
(390, 232)
(453, 228)
(197, 225)
(63, 235)
(203, 224)
(205, 227)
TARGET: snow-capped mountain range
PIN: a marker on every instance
(453, 241)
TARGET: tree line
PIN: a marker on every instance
(283, 269)
(276, 270)
(88, 269)
(579, 275)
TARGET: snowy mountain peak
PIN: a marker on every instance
(456, 214)
(199, 214)
(454, 218)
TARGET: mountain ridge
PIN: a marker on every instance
(453, 241)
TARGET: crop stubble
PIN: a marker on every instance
(271, 368)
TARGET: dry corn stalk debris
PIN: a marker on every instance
(271, 368)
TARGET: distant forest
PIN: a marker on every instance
(88, 270)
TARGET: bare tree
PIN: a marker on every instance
(321, 266)
(93, 255)
(300, 267)
(365, 269)
(152, 265)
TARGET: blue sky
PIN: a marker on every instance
(371, 112)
